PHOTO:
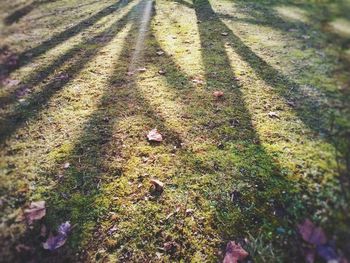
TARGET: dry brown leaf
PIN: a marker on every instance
(141, 70)
(157, 186)
(312, 234)
(36, 211)
(54, 242)
(198, 81)
(218, 94)
(273, 114)
(234, 253)
(154, 136)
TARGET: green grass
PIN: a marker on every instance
(244, 175)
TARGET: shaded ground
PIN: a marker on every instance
(232, 171)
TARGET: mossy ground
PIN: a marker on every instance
(242, 174)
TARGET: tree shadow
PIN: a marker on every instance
(27, 56)
(77, 194)
(67, 9)
(309, 106)
(255, 166)
(23, 11)
(76, 59)
(264, 14)
(266, 195)
(321, 116)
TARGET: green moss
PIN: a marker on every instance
(241, 173)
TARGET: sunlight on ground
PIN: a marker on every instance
(340, 26)
(179, 36)
(140, 41)
(80, 38)
(231, 170)
(292, 13)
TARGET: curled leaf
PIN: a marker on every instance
(234, 253)
(218, 94)
(54, 242)
(155, 136)
(66, 165)
(157, 186)
(36, 211)
(312, 234)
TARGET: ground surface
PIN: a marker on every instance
(247, 167)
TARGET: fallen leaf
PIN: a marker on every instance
(170, 247)
(54, 242)
(155, 136)
(312, 234)
(234, 253)
(141, 70)
(112, 230)
(23, 248)
(189, 211)
(198, 80)
(66, 165)
(218, 94)
(157, 186)
(62, 77)
(327, 252)
(36, 211)
(273, 114)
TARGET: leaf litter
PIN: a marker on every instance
(36, 211)
(317, 244)
(234, 253)
(57, 241)
(154, 136)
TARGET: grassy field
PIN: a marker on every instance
(249, 166)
